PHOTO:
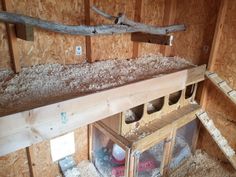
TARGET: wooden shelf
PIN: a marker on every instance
(23, 129)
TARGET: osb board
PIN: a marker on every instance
(113, 46)
(43, 164)
(200, 18)
(226, 57)
(14, 164)
(152, 13)
(5, 61)
(221, 109)
(49, 47)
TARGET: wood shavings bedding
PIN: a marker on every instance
(44, 84)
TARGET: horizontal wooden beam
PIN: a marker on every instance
(217, 137)
(151, 38)
(222, 86)
(26, 128)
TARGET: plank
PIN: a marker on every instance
(24, 32)
(29, 127)
(217, 34)
(222, 85)
(153, 39)
(12, 40)
(217, 137)
(87, 38)
(214, 47)
(137, 18)
(169, 18)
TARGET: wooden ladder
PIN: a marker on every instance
(222, 85)
(217, 137)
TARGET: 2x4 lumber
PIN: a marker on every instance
(137, 18)
(24, 32)
(217, 34)
(154, 39)
(217, 137)
(29, 127)
(214, 47)
(222, 86)
(168, 151)
(169, 18)
(12, 40)
(88, 38)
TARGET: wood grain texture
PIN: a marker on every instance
(169, 18)
(220, 109)
(116, 46)
(39, 158)
(5, 59)
(151, 17)
(14, 164)
(199, 18)
(12, 40)
(46, 122)
(49, 47)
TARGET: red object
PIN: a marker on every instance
(143, 166)
(117, 162)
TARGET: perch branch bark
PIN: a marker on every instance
(123, 25)
(121, 19)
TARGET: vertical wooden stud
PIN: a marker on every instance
(29, 152)
(169, 18)
(167, 154)
(14, 53)
(137, 18)
(214, 47)
(87, 38)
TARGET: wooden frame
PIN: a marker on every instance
(12, 40)
(118, 122)
(163, 129)
(23, 129)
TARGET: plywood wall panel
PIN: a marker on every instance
(41, 154)
(152, 13)
(220, 108)
(5, 60)
(200, 18)
(113, 46)
(14, 164)
(49, 47)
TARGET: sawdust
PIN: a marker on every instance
(44, 84)
(201, 164)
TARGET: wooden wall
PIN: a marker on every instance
(221, 110)
(49, 47)
(200, 18)
(17, 164)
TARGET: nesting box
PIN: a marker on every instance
(151, 150)
(141, 115)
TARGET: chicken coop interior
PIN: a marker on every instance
(114, 88)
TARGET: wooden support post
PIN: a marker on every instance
(169, 18)
(214, 47)
(137, 18)
(12, 40)
(29, 152)
(151, 38)
(87, 38)
(167, 154)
